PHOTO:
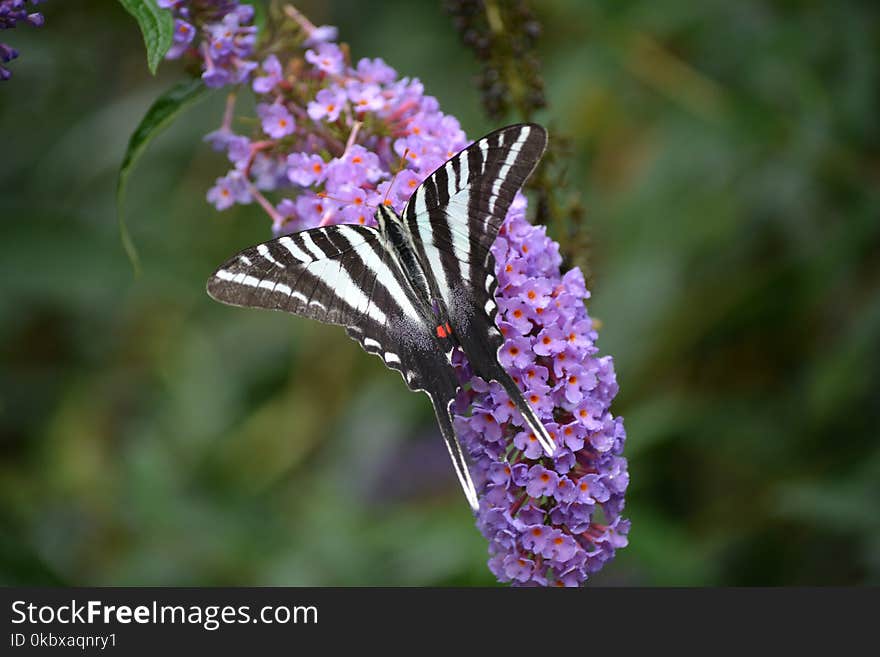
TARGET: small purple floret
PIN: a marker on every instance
(13, 12)
(220, 31)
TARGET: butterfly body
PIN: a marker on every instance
(414, 288)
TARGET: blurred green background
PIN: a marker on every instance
(728, 155)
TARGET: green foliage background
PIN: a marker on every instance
(728, 155)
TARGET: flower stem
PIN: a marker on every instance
(274, 215)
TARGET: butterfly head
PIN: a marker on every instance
(386, 218)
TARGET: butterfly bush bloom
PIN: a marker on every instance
(311, 148)
(13, 12)
(549, 521)
(219, 32)
(334, 140)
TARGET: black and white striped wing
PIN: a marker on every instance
(454, 218)
(325, 274)
(466, 200)
(344, 275)
(341, 275)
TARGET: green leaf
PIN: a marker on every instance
(157, 26)
(163, 110)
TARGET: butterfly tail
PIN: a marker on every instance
(442, 389)
(495, 372)
(443, 410)
(483, 358)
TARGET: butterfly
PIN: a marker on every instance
(415, 287)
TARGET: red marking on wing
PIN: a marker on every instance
(444, 330)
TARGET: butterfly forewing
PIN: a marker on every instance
(345, 275)
(476, 187)
(454, 218)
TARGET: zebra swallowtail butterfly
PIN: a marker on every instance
(414, 288)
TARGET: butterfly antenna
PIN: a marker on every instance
(400, 165)
(332, 198)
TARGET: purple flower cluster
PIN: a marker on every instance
(311, 145)
(333, 140)
(13, 12)
(219, 32)
(548, 521)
